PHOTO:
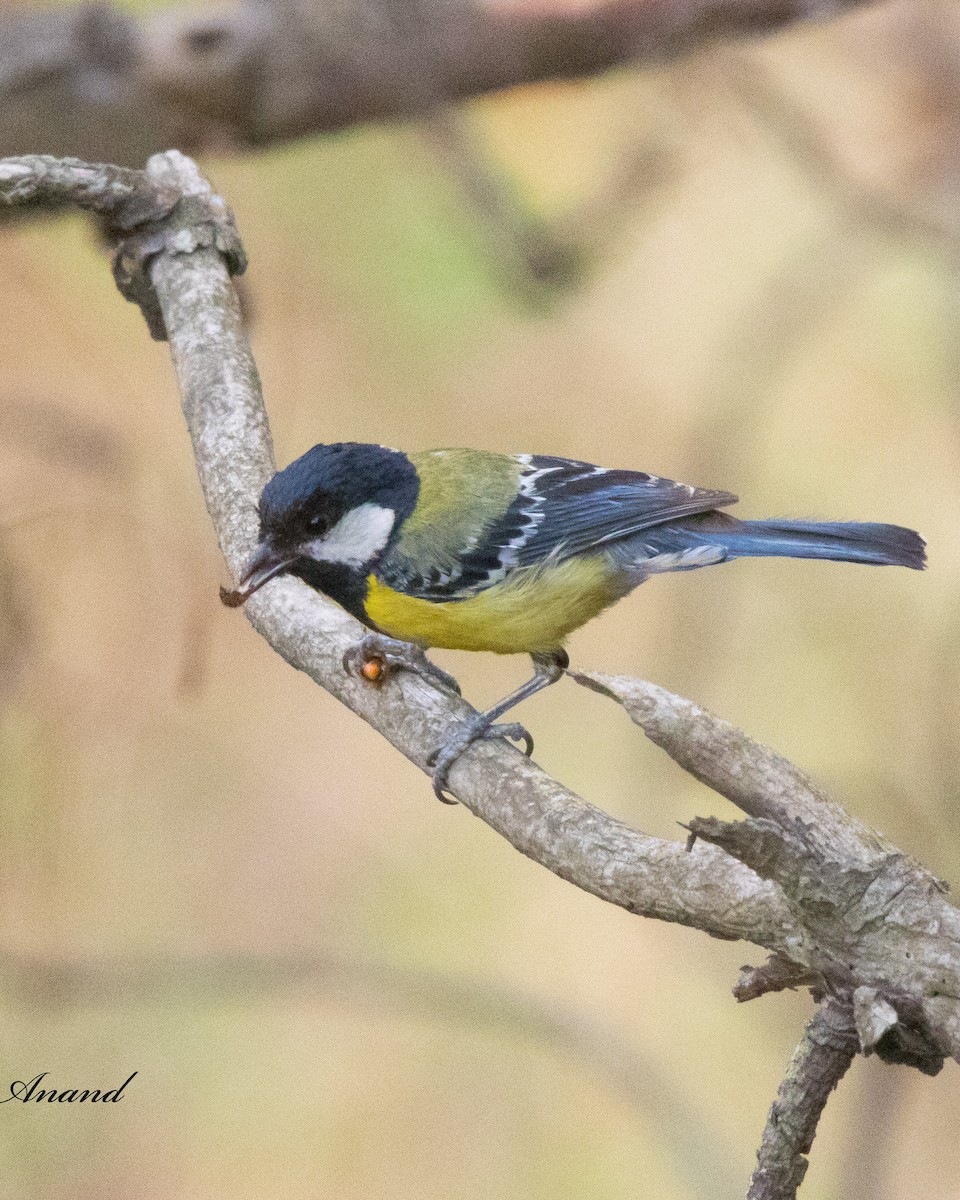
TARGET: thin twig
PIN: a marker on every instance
(826, 1050)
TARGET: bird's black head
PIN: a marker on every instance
(330, 515)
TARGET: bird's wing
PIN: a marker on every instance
(562, 507)
(574, 506)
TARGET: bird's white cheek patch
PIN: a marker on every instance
(356, 538)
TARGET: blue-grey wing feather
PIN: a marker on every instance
(563, 508)
(582, 507)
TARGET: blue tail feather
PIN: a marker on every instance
(842, 541)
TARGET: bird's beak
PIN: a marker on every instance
(262, 567)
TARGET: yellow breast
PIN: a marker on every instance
(531, 611)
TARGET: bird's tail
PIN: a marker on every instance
(843, 541)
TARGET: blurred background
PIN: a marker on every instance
(740, 270)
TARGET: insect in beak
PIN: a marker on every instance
(265, 564)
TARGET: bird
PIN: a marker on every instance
(466, 549)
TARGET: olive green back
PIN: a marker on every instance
(461, 493)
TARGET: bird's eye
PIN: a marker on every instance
(316, 522)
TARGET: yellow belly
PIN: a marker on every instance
(532, 611)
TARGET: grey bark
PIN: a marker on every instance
(875, 922)
(826, 1050)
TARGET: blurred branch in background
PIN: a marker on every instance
(844, 911)
(16, 629)
(531, 253)
(413, 993)
(526, 250)
(909, 204)
(94, 82)
(55, 443)
(884, 207)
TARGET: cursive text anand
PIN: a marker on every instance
(20, 1090)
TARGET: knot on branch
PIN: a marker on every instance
(177, 212)
(778, 974)
(168, 207)
(892, 1025)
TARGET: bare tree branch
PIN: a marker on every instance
(841, 909)
(826, 1050)
(227, 421)
(865, 207)
(91, 80)
(877, 920)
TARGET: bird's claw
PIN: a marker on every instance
(376, 656)
(375, 650)
(515, 732)
(443, 758)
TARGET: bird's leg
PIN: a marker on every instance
(376, 650)
(547, 669)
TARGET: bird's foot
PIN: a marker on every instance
(377, 656)
(477, 728)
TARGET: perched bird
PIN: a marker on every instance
(471, 550)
